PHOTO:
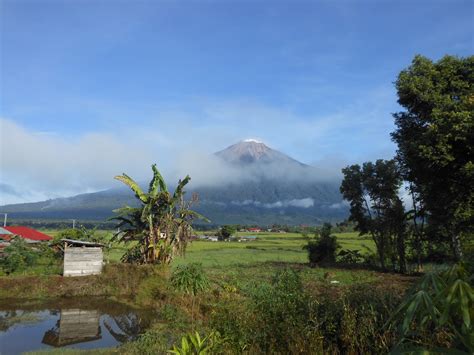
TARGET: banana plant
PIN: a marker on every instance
(161, 224)
(443, 301)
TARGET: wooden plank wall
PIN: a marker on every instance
(81, 261)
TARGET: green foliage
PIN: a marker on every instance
(81, 233)
(347, 256)
(376, 208)
(323, 249)
(280, 317)
(280, 308)
(439, 303)
(162, 223)
(193, 344)
(226, 232)
(190, 279)
(18, 256)
(434, 136)
(132, 255)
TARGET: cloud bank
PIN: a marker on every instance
(300, 203)
(38, 164)
(45, 166)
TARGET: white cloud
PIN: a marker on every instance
(38, 165)
(300, 203)
(339, 205)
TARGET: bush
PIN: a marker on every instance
(323, 249)
(190, 279)
(281, 310)
(280, 318)
(193, 344)
(133, 256)
(82, 233)
(18, 256)
(347, 256)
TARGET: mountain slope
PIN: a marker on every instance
(273, 188)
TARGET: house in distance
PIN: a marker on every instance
(30, 235)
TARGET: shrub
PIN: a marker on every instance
(190, 279)
(323, 249)
(281, 310)
(82, 233)
(347, 256)
(132, 255)
(18, 256)
(193, 344)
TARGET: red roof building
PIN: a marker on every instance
(256, 230)
(24, 232)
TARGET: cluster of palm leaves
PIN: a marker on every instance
(161, 225)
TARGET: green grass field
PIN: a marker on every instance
(274, 247)
(268, 247)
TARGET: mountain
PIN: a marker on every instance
(266, 187)
(252, 151)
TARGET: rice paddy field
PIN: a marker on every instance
(267, 247)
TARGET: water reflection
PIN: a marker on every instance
(74, 326)
(130, 326)
(104, 324)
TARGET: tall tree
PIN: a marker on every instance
(376, 207)
(161, 224)
(435, 136)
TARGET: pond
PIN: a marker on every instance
(72, 323)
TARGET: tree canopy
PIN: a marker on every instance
(435, 135)
(376, 208)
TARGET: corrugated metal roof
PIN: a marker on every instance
(27, 233)
(4, 231)
(82, 243)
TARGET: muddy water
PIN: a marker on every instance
(73, 323)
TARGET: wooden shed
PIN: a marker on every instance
(82, 258)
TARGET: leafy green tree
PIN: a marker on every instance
(161, 224)
(435, 135)
(376, 208)
(323, 248)
(226, 232)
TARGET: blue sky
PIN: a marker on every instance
(93, 88)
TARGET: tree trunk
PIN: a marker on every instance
(401, 253)
(456, 245)
(382, 259)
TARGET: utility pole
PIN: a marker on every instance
(5, 219)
